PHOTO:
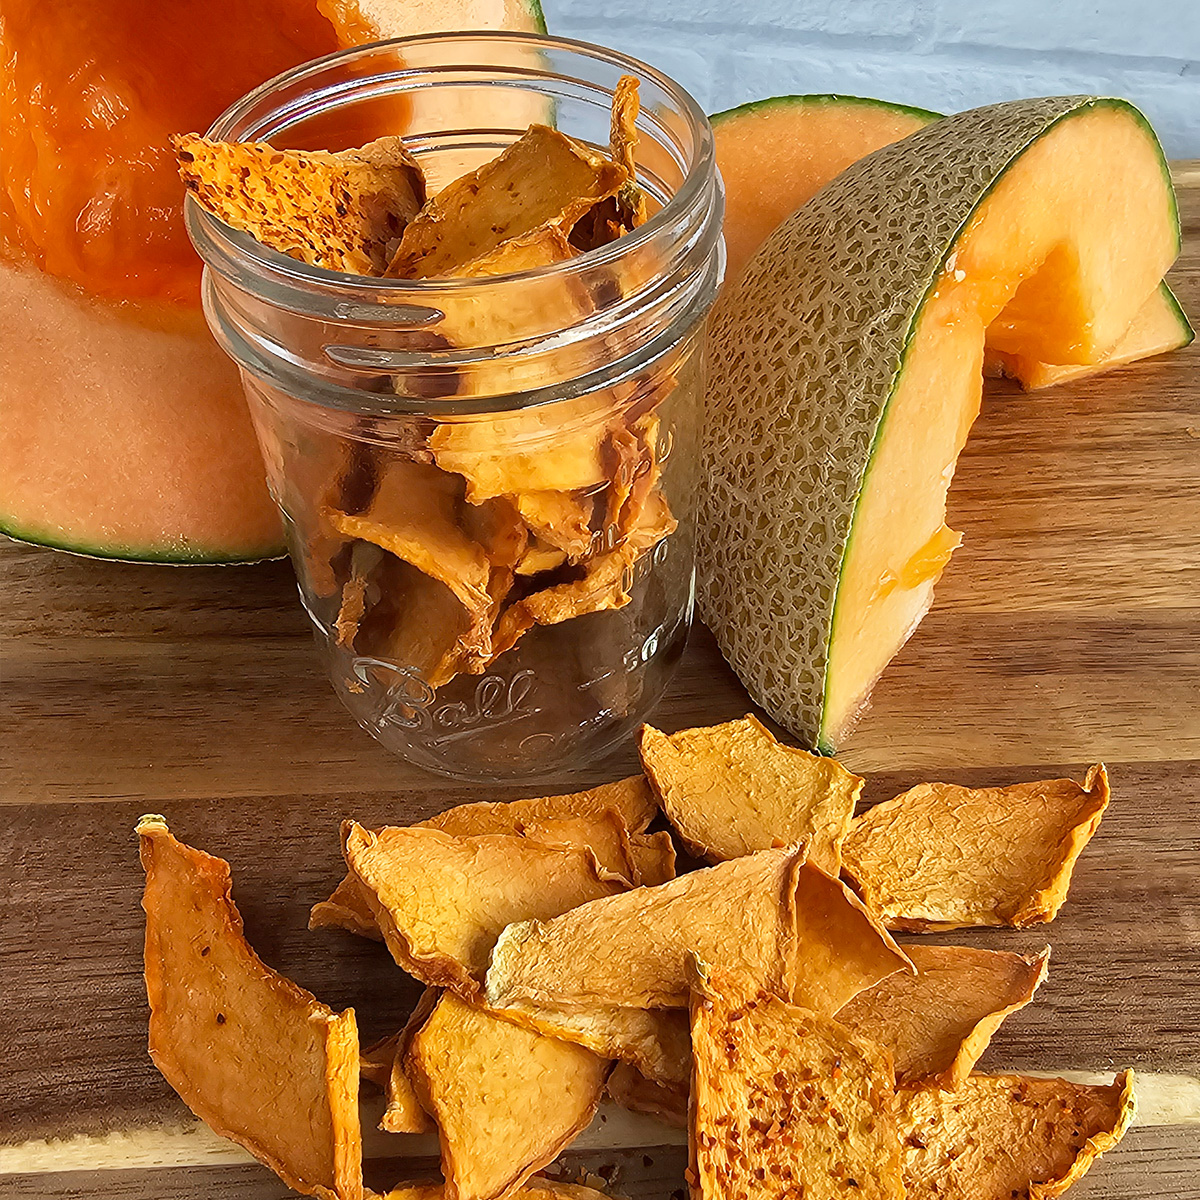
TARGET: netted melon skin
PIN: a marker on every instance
(806, 349)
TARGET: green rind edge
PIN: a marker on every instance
(172, 558)
(1186, 331)
(1087, 103)
(819, 98)
(534, 8)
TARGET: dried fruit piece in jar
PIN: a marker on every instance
(732, 789)
(944, 857)
(343, 211)
(543, 180)
(257, 1058)
(770, 918)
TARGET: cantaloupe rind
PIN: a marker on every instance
(827, 360)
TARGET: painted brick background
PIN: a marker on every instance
(941, 54)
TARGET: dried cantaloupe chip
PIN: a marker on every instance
(787, 1102)
(938, 1022)
(653, 858)
(543, 180)
(420, 625)
(630, 798)
(629, 1088)
(562, 520)
(497, 526)
(348, 908)
(344, 211)
(617, 215)
(654, 1041)
(552, 447)
(375, 1061)
(364, 561)
(604, 834)
(536, 1188)
(441, 901)
(254, 1056)
(732, 789)
(943, 857)
(603, 585)
(769, 917)
(506, 1100)
(998, 1136)
(404, 1113)
(414, 515)
(539, 557)
(540, 247)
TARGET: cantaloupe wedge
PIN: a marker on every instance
(847, 368)
(124, 431)
(774, 154)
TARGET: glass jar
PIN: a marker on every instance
(488, 485)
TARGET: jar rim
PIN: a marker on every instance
(226, 128)
(684, 235)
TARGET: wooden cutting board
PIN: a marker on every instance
(1066, 631)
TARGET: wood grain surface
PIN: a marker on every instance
(1067, 630)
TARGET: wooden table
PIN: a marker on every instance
(1066, 631)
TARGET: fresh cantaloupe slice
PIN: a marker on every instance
(774, 154)
(124, 432)
(847, 368)
(1160, 326)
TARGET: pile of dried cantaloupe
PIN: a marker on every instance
(761, 999)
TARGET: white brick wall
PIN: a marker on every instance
(941, 54)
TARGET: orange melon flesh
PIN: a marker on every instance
(1054, 266)
(124, 431)
(774, 154)
(1160, 326)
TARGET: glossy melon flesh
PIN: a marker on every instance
(124, 433)
(847, 371)
(774, 154)
(1054, 266)
(1160, 326)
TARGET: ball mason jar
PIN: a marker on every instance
(488, 484)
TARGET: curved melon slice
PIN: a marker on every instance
(847, 370)
(774, 154)
(124, 430)
(1160, 326)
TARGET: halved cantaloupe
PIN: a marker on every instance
(847, 370)
(124, 431)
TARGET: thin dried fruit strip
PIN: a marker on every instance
(344, 211)
(254, 1056)
(559, 519)
(629, 1088)
(782, 925)
(938, 1022)
(404, 1113)
(348, 908)
(786, 1102)
(441, 901)
(732, 789)
(603, 585)
(654, 1041)
(653, 858)
(506, 1100)
(414, 515)
(999, 1136)
(364, 561)
(944, 857)
(544, 179)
